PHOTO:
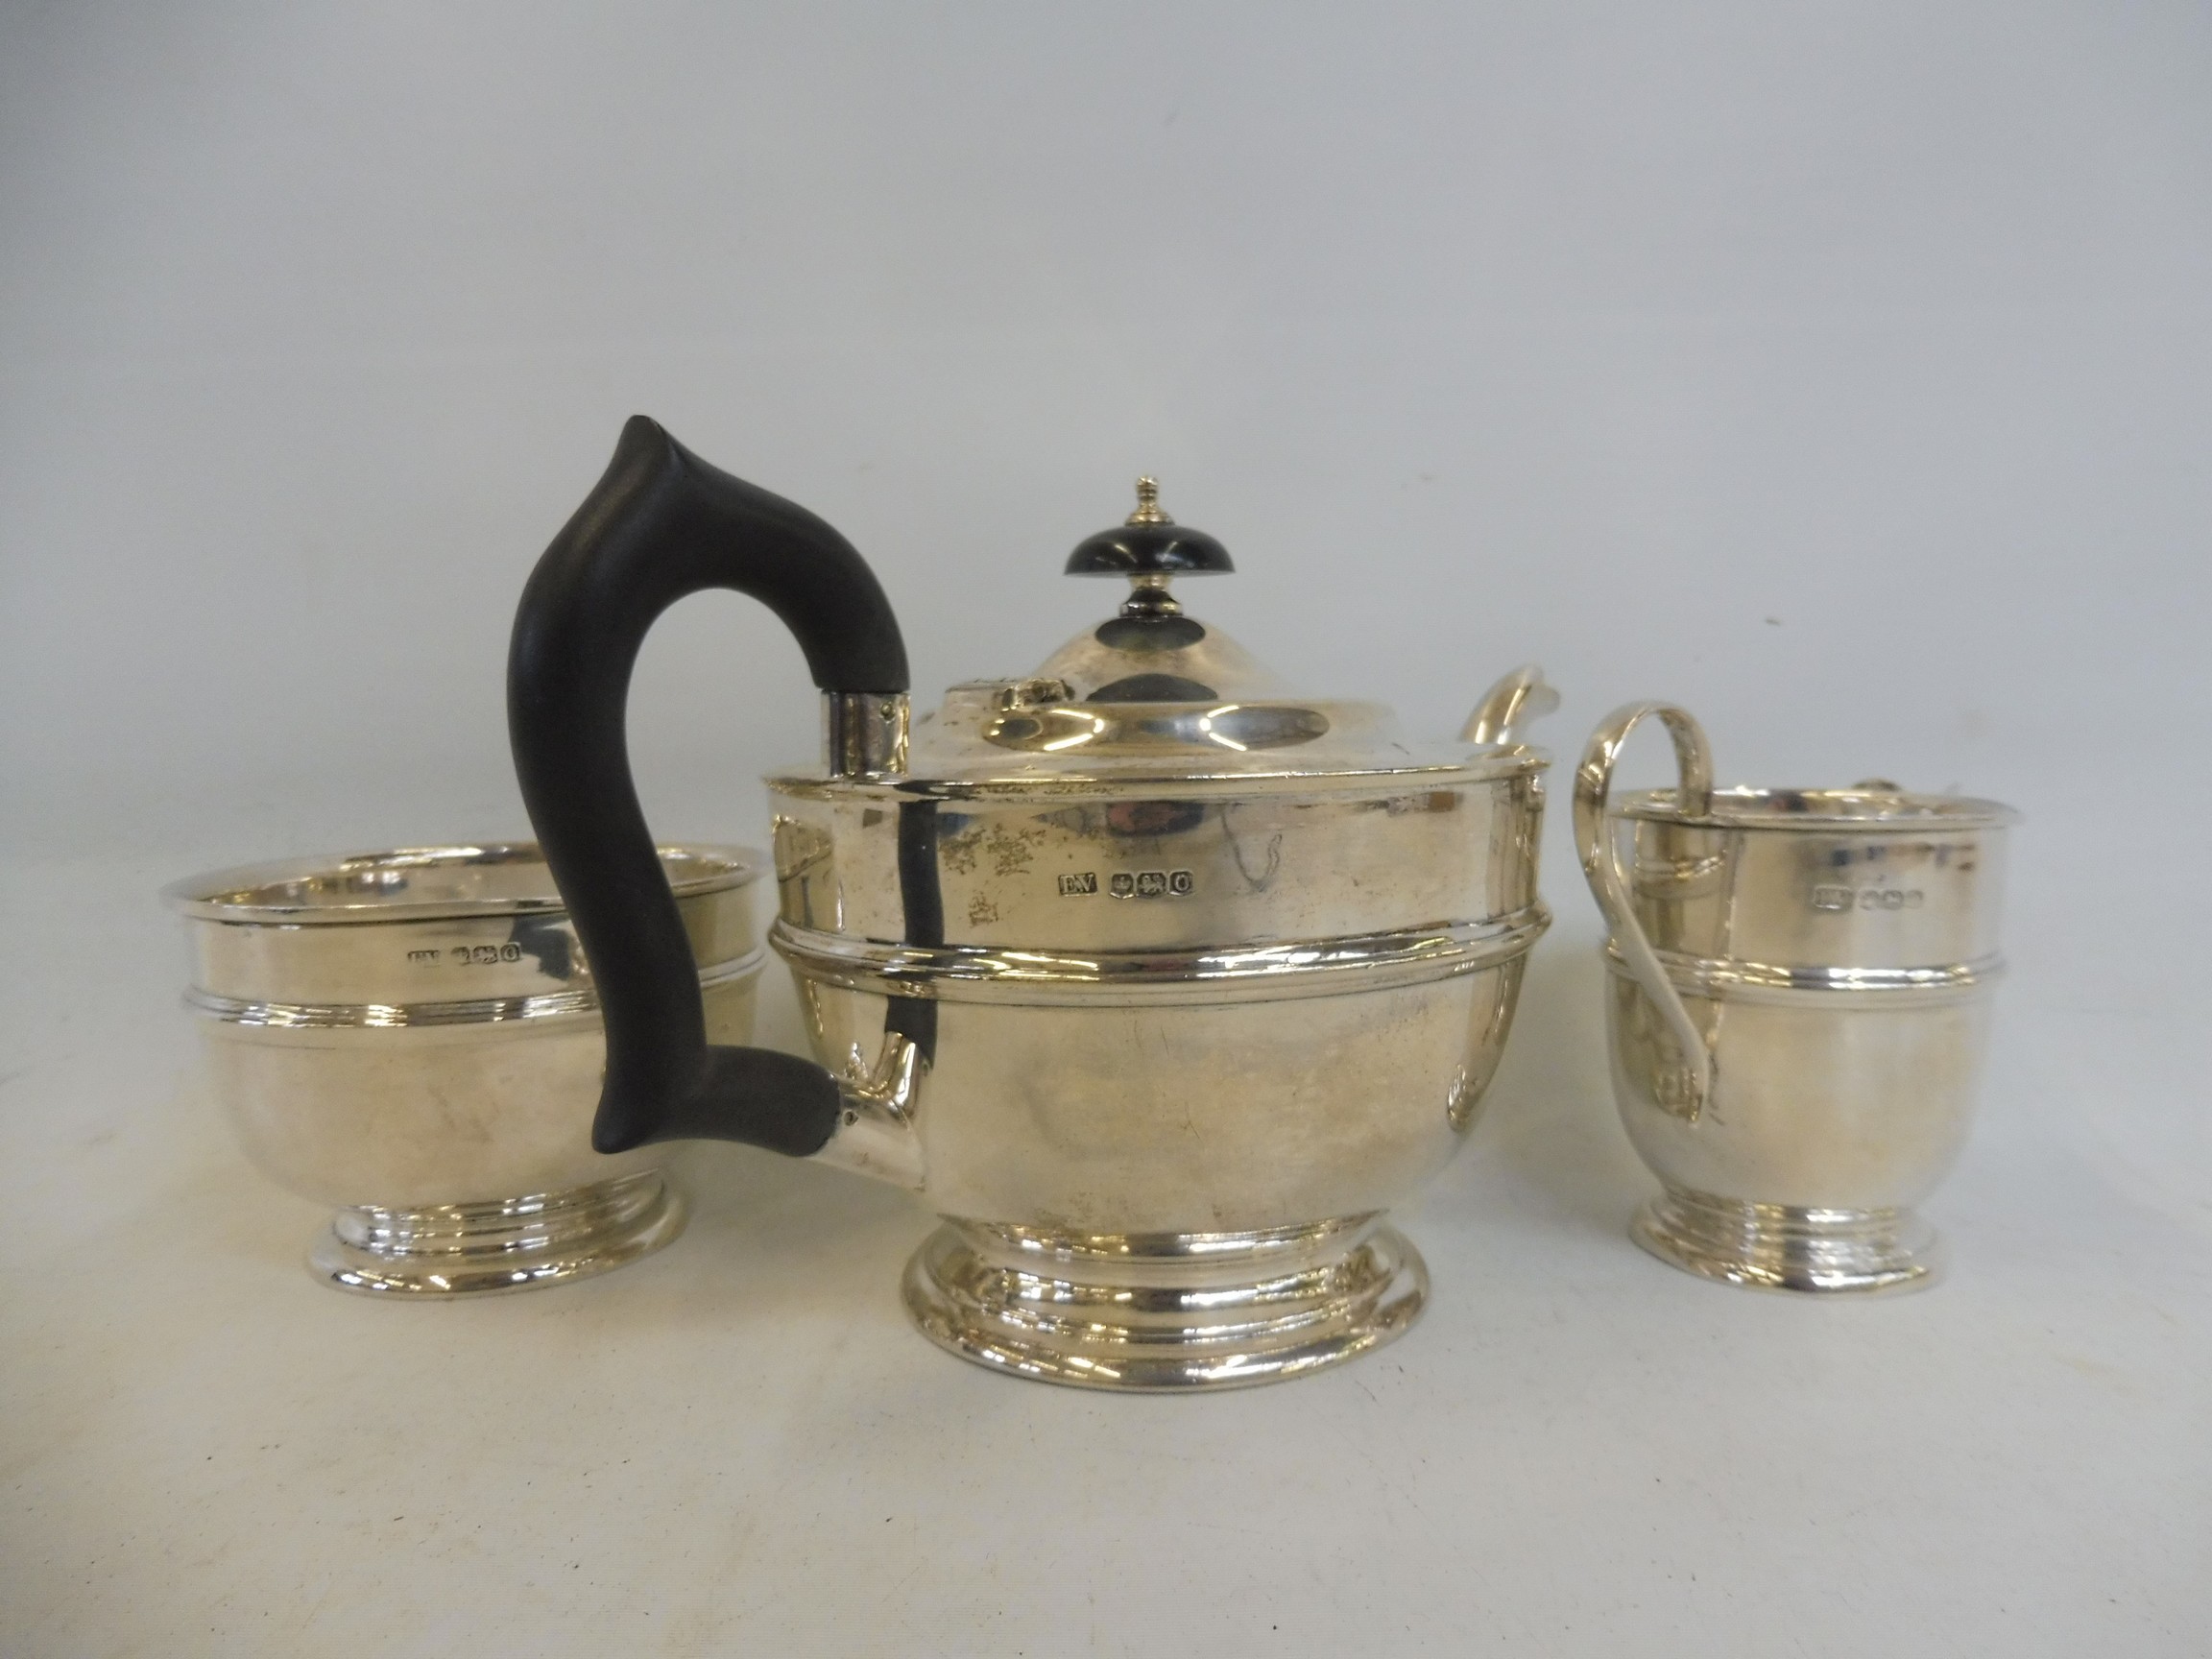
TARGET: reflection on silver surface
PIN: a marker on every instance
(1215, 976)
(1797, 1009)
(1165, 1313)
(1137, 727)
(1508, 707)
(475, 1011)
(516, 1244)
(1102, 980)
(1697, 976)
(413, 1038)
(864, 733)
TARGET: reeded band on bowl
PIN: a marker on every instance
(1862, 809)
(1708, 977)
(478, 1011)
(1112, 978)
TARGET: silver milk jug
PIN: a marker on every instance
(1798, 1008)
(1160, 982)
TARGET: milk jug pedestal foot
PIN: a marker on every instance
(1777, 1247)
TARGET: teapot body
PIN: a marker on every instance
(1166, 864)
(1159, 982)
(1186, 1009)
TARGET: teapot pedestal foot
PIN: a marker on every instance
(1779, 1247)
(1164, 1312)
(507, 1245)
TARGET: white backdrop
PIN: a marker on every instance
(1843, 372)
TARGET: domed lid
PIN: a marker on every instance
(1153, 693)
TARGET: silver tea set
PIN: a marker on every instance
(1160, 982)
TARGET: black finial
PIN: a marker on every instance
(1149, 543)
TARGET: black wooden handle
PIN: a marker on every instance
(660, 525)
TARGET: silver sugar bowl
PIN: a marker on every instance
(413, 1038)
(1799, 1009)
(1160, 982)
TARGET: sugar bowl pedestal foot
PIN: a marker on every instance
(511, 1244)
(1778, 1247)
(1168, 1312)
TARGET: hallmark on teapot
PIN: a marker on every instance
(1130, 884)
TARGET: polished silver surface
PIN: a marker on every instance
(413, 1038)
(1508, 707)
(514, 1244)
(1132, 979)
(1218, 980)
(864, 733)
(1797, 1009)
(1189, 1115)
(1162, 1314)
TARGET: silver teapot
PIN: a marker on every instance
(1159, 983)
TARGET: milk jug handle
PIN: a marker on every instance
(660, 525)
(1595, 843)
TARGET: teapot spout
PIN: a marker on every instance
(1509, 705)
(875, 1134)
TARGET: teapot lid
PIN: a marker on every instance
(1154, 693)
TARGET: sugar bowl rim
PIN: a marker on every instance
(270, 892)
